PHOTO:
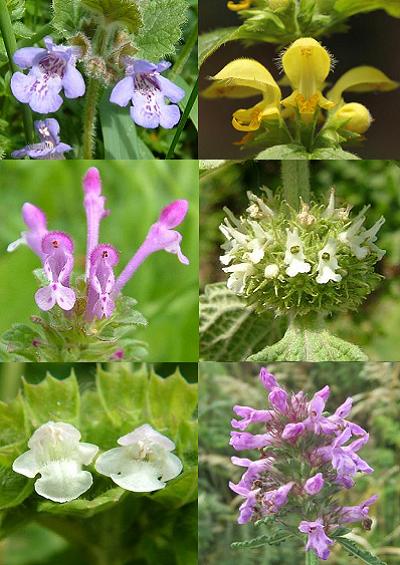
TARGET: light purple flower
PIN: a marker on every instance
(250, 416)
(316, 422)
(356, 513)
(318, 541)
(58, 249)
(314, 484)
(94, 204)
(275, 499)
(247, 508)
(254, 469)
(144, 86)
(100, 302)
(292, 431)
(278, 398)
(268, 380)
(35, 221)
(161, 236)
(49, 148)
(51, 70)
(245, 440)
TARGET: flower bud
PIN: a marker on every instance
(358, 116)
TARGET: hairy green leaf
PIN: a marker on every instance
(333, 153)
(357, 551)
(351, 7)
(84, 507)
(66, 16)
(268, 539)
(289, 151)
(121, 12)
(14, 488)
(210, 42)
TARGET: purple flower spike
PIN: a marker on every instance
(247, 508)
(250, 416)
(318, 541)
(144, 86)
(314, 484)
(269, 382)
(160, 237)
(58, 249)
(275, 499)
(35, 221)
(49, 148)
(356, 513)
(101, 282)
(94, 204)
(51, 70)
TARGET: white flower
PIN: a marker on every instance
(57, 455)
(294, 255)
(258, 209)
(239, 274)
(353, 237)
(144, 462)
(328, 264)
(271, 271)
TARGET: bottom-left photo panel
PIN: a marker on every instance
(98, 464)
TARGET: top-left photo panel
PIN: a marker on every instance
(98, 79)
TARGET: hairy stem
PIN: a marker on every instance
(90, 117)
(296, 182)
(10, 44)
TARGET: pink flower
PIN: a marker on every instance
(314, 484)
(94, 204)
(318, 541)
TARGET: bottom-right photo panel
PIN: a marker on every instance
(299, 463)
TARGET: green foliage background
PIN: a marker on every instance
(375, 327)
(167, 291)
(375, 388)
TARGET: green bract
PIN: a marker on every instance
(102, 521)
(317, 260)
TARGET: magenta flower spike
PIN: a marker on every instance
(161, 236)
(94, 204)
(100, 303)
(57, 248)
(35, 221)
(304, 459)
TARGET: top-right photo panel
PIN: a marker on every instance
(299, 79)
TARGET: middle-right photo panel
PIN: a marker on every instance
(300, 260)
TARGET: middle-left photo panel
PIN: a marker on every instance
(102, 261)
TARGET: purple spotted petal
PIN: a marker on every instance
(169, 115)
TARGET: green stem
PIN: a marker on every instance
(311, 558)
(296, 182)
(183, 120)
(10, 380)
(10, 44)
(184, 53)
(90, 117)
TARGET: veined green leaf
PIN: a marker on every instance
(268, 539)
(84, 507)
(14, 488)
(210, 42)
(357, 551)
(351, 7)
(122, 12)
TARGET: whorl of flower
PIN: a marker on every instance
(51, 70)
(306, 457)
(318, 259)
(50, 146)
(147, 90)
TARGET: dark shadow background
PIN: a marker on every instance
(372, 39)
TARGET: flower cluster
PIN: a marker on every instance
(52, 70)
(306, 64)
(102, 289)
(312, 260)
(306, 459)
(143, 463)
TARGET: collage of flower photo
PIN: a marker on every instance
(199, 282)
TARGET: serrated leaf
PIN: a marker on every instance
(53, 399)
(14, 488)
(309, 344)
(162, 28)
(19, 340)
(357, 551)
(229, 330)
(16, 9)
(272, 539)
(122, 12)
(350, 7)
(289, 151)
(126, 314)
(333, 153)
(210, 42)
(65, 16)
(82, 507)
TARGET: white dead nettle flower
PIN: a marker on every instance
(371, 237)
(239, 274)
(57, 454)
(143, 463)
(256, 246)
(235, 241)
(360, 240)
(330, 211)
(304, 216)
(328, 264)
(271, 271)
(294, 254)
(258, 209)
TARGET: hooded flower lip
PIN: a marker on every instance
(143, 463)
(57, 454)
(57, 248)
(36, 222)
(314, 484)
(328, 263)
(50, 146)
(318, 541)
(294, 254)
(243, 78)
(147, 89)
(357, 513)
(51, 70)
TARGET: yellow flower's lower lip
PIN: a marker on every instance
(241, 5)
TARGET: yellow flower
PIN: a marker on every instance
(358, 118)
(241, 5)
(243, 78)
(361, 79)
(307, 64)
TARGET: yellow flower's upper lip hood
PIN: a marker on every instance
(361, 79)
(243, 78)
(306, 58)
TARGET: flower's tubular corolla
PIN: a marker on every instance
(50, 146)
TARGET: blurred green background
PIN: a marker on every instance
(35, 544)
(375, 327)
(375, 388)
(166, 290)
